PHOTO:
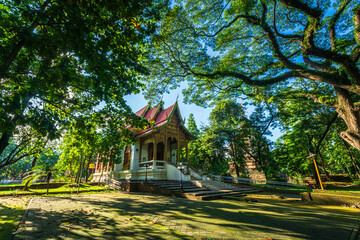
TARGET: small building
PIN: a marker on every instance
(160, 151)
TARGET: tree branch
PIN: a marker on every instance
(300, 5)
(317, 147)
(287, 36)
(16, 49)
(333, 21)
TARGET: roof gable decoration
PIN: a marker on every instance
(160, 118)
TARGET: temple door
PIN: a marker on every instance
(127, 155)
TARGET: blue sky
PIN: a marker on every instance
(201, 115)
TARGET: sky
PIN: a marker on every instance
(201, 115)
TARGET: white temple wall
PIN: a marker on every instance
(144, 152)
(134, 160)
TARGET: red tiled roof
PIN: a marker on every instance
(162, 116)
(151, 114)
(159, 117)
(140, 113)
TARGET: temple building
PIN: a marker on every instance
(160, 151)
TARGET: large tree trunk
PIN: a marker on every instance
(350, 115)
(4, 141)
(352, 157)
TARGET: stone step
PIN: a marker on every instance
(209, 192)
(218, 195)
(171, 184)
(235, 189)
(176, 185)
(191, 190)
(184, 187)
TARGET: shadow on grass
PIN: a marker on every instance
(122, 215)
(9, 220)
(240, 217)
(79, 220)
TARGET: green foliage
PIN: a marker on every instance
(191, 126)
(47, 156)
(46, 171)
(264, 50)
(65, 59)
(231, 136)
(311, 128)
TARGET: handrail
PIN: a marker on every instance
(194, 169)
(250, 181)
(177, 167)
(152, 164)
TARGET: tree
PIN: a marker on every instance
(243, 138)
(230, 48)
(208, 153)
(63, 59)
(191, 126)
(24, 144)
(231, 136)
(46, 171)
(311, 128)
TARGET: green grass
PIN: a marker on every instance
(295, 190)
(11, 185)
(11, 212)
(66, 189)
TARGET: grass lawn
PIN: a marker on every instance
(66, 189)
(345, 187)
(271, 198)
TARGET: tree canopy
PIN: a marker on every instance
(60, 60)
(261, 49)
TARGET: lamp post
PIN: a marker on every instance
(181, 167)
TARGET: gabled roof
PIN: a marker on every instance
(141, 112)
(161, 117)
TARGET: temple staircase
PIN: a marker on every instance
(201, 190)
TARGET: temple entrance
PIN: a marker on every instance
(150, 151)
(127, 155)
(160, 151)
(172, 150)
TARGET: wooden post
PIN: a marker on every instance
(165, 147)
(187, 158)
(140, 150)
(178, 152)
(155, 149)
(317, 169)
(178, 146)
